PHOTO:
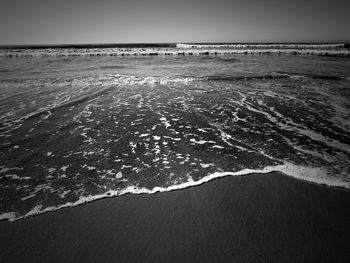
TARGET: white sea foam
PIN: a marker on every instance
(11, 216)
(310, 174)
(16, 177)
(206, 165)
(4, 169)
(218, 147)
(64, 168)
(28, 197)
(201, 141)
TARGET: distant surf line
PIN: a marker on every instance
(169, 45)
(173, 51)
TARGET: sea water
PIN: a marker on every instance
(78, 128)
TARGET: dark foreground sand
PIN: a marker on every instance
(256, 218)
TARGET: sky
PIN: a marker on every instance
(24, 22)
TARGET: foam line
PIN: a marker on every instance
(310, 174)
(184, 49)
(260, 45)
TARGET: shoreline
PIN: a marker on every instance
(261, 217)
(290, 170)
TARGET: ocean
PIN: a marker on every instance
(83, 123)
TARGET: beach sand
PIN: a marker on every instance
(255, 218)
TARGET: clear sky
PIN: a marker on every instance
(154, 21)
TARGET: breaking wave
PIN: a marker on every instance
(184, 49)
(262, 46)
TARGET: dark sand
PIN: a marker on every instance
(256, 218)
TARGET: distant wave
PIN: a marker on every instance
(184, 49)
(245, 46)
(313, 76)
(233, 78)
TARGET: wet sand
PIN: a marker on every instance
(255, 218)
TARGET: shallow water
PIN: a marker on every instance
(75, 129)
